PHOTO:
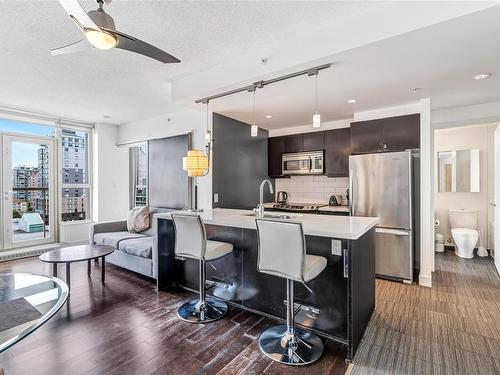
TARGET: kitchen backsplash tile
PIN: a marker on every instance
(312, 189)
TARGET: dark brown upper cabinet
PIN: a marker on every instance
(314, 141)
(337, 151)
(402, 132)
(275, 149)
(293, 143)
(387, 134)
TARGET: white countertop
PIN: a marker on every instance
(334, 208)
(346, 227)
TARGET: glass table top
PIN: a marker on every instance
(26, 302)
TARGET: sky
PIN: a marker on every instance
(25, 153)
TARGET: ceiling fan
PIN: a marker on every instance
(99, 30)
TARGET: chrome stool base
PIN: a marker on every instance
(194, 312)
(301, 348)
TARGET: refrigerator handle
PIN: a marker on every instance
(397, 232)
(351, 193)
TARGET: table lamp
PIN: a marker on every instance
(196, 163)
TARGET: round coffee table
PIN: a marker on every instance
(26, 302)
(78, 253)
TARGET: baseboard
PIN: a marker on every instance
(26, 252)
(425, 280)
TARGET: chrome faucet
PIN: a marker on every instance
(260, 207)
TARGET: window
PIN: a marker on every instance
(24, 127)
(75, 184)
(139, 175)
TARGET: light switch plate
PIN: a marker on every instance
(337, 247)
(216, 198)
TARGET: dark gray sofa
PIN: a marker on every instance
(136, 252)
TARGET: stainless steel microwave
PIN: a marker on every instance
(303, 163)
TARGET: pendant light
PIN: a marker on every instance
(316, 116)
(254, 130)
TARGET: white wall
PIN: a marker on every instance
(466, 137)
(176, 123)
(111, 175)
(327, 125)
(426, 184)
(466, 115)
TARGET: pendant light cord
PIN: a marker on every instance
(207, 117)
(254, 105)
(316, 92)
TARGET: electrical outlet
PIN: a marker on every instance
(216, 198)
(337, 247)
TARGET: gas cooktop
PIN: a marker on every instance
(298, 206)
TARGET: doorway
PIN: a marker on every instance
(495, 205)
(27, 188)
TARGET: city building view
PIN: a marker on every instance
(30, 204)
(31, 176)
(74, 200)
(139, 175)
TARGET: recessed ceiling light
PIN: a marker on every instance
(269, 116)
(352, 101)
(482, 76)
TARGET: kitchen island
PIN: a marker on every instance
(341, 299)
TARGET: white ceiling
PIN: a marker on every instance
(124, 85)
(210, 36)
(440, 59)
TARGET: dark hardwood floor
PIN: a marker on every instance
(125, 327)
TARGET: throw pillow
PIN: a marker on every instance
(138, 219)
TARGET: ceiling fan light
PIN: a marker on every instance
(101, 39)
(316, 120)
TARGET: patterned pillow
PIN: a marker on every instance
(138, 219)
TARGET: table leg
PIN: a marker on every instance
(103, 269)
(88, 268)
(54, 269)
(68, 275)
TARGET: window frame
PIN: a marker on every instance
(60, 167)
(137, 145)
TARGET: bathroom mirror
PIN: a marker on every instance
(459, 171)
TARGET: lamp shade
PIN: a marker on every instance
(195, 163)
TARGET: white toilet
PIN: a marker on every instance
(463, 225)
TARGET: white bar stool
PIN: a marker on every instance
(282, 253)
(191, 242)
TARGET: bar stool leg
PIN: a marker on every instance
(203, 309)
(286, 343)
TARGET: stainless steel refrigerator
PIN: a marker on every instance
(386, 185)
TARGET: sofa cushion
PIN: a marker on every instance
(141, 247)
(138, 219)
(114, 238)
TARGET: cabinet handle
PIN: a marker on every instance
(346, 263)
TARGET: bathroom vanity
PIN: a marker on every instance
(339, 302)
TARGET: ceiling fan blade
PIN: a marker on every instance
(81, 45)
(78, 14)
(132, 44)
